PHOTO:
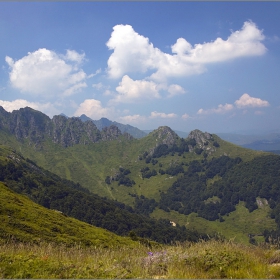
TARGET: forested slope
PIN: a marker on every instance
(50, 191)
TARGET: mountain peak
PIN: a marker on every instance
(165, 135)
(104, 122)
(85, 118)
(200, 137)
(204, 141)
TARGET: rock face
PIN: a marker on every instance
(70, 131)
(26, 123)
(35, 126)
(165, 135)
(110, 133)
(203, 141)
(200, 138)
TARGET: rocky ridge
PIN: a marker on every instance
(27, 123)
(197, 141)
(124, 128)
(165, 135)
(204, 141)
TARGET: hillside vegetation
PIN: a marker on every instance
(203, 260)
(22, 220)
(200, 183)
(47, 189)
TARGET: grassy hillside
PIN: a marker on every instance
(203, 260)
(90, 164)
(25, 221)
(236, 226)
(49, 190)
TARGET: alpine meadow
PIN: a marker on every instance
(67, 183)
(139, 140)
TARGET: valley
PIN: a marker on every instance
(151, 174)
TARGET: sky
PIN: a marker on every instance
(213, 66)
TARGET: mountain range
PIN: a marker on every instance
(104, 122)
(201, 183)
(269, 141)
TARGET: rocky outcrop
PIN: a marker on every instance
(200, 138)
(35, 126)
(110, 133)
(203, 140)
(71, 131)
(27, 123)
(165, 135)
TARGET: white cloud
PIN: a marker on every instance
(247, 101)
(185, 116)
(93, 109)
(10, 106)
(175, 90)
(244, 101)
(133, 119)
(74, 89)
(220, 110)
(108, 92)
(134, 53)
(44, 72)
(132, 91)
(156, 114)
(98, 86)
(98, 71)
(244, 42)
(74, 56)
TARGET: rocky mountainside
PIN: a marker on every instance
(161, 175)
(35, 126)
(204, 141)
(124, 128)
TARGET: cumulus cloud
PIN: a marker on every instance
(243, 102)
(10, 106)
(133, 52)
(156, 114)
(132, 119)
(74, 89)
(93, 109)
(220, 110)
(74, 56)
(175, 90)
(185, 116)
(247, 101)
(135, 90)
(44, 72)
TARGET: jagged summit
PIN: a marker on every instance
(124, 128)
(204, 141)
(34, 126)
(165, 135)
(200, 137)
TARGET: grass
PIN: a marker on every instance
(232, 150)
(26, 221)
(90, 164)
(237, 225)
(203, 260)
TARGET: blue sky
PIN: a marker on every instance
(213, 66)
